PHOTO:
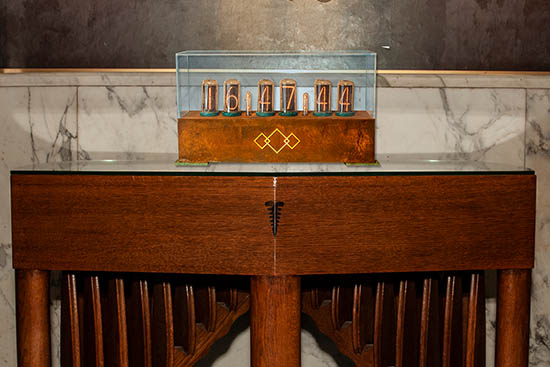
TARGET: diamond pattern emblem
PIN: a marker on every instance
(292, 140)
(261, 139)
(277, 141)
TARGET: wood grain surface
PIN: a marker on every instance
(475, 329)
(70, 322)
(142, 223)
(162, 325)
(133, 325)
(33, 318)
(405, 223)
(219, 225)
(139, 324)
(512, 338)
(92, 321)
(319, 139)
(115, 325)
(185, 320)
(275, 321)
(403, 319)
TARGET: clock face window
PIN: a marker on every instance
(287, 94)
(209, 97)
(266, 90)
(345, 97)
(289, 97)
(322, 97)
(232, 96)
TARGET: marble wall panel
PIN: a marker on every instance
(127, 123)
(538, 158)
(479, 124)
(38, 125)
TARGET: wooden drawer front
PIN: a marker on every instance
(405, 223)
(179, 224)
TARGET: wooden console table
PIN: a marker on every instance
(355, 248)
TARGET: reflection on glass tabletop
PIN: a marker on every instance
(386, 166)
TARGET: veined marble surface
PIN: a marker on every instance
(537, 152)
(478, 124)
(463, 80)
(133, 117)
(385, 78)
(165, 78)
(126, 122)
(38, 125)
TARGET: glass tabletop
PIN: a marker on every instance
(386, 166)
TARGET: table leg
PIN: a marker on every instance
(512, 349)
(33, 318)
(275, 321)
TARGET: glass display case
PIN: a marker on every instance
(236, 106)
(270, 76)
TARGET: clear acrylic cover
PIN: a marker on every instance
(249, 67)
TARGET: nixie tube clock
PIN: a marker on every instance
(231, 97)
(266, 91)
(345, 98)
(289, 105)
(322, 98)
(209, 98)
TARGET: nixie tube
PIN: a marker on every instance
(345, 98)
(306, 103)
(266, 90)
(209, 98)
(231, 97)
(289, 105)
(322, 98)
(248, 103)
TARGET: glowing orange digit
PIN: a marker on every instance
(228, 99)
(322, 98)
(344, 99)
(264, 100)
(291, 98)
(210, 102)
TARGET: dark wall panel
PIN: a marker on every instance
(407, 34)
